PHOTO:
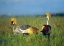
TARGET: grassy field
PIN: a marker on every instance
(7, 38)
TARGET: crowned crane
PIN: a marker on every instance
(24, 29)
(46, 29)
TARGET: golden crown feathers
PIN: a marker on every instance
(48, 14)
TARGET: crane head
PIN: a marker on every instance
(48, 15)
(13, 21)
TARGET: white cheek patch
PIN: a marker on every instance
(13, 22)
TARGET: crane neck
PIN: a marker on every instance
(47, 20)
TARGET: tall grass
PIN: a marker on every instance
(7, 38)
